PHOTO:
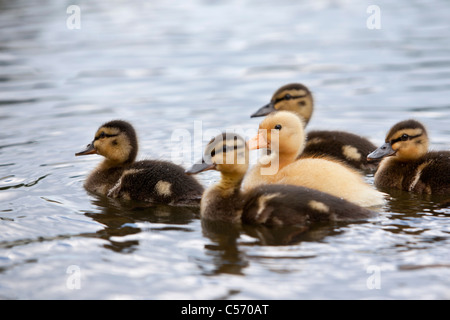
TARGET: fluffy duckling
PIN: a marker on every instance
(282, 133)
(408, 165)
(119, 176)
(345, 146)
(270, 204)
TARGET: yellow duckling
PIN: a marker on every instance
(119, 176)
(282, 133)
(408, 165)
(345, 146)
(273, 205)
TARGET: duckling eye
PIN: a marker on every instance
(405, 137)
(287, 97)
(102, 135)
(278, 127)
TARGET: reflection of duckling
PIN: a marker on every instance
(407, 163)
(345, 146)
(119, 176)
(282, 133)
(270, 204)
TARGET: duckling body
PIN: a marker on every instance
(345, 146)
(119, 176)
(287, 204)
(325, 174)
(272, 205)
(408, 165)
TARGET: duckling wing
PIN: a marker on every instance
(331, 177)
(159, 182)
(433, 175)
(293, 205)
(345, 146)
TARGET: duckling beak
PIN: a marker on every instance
(384, 151)
(90, 149)
(200, 167)
(257, 142)
(264, 111)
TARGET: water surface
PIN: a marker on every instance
(177, 67)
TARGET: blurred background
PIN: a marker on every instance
(166, 65)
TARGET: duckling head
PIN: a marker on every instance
(282, 133)
(227, 153)
(293, 97)
(115, 140)
(406, 141)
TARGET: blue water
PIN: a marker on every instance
(187, 69)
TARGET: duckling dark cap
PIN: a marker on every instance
(210, 151)
(406, 124)
(292, 86)
(121, 125)
(270, 107)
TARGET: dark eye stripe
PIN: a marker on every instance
(401, 139)
(225, 148)
(290, 98)
(104, 135)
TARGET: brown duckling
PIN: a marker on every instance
(273, 205)
(283, 134)
(345, 146)
(119, 176)
(408, 165)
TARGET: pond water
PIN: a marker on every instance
(187, 68)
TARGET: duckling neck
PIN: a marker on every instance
(223, 202)
(109, 164)
(278, 160)
(286, 158)
(229, 183)
(104, 177)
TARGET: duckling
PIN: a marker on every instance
(345, 146)
(282, 133)
(119, 176)
(272, 205)
(408, 165)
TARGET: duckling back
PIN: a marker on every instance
(279, 205)
(159, 182)
(324, 175)
(429, 174)
(343, 146)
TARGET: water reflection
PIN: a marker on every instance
(291, 235)
(224, 251)
(227, 249)
(122, 217)
(409, 204)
